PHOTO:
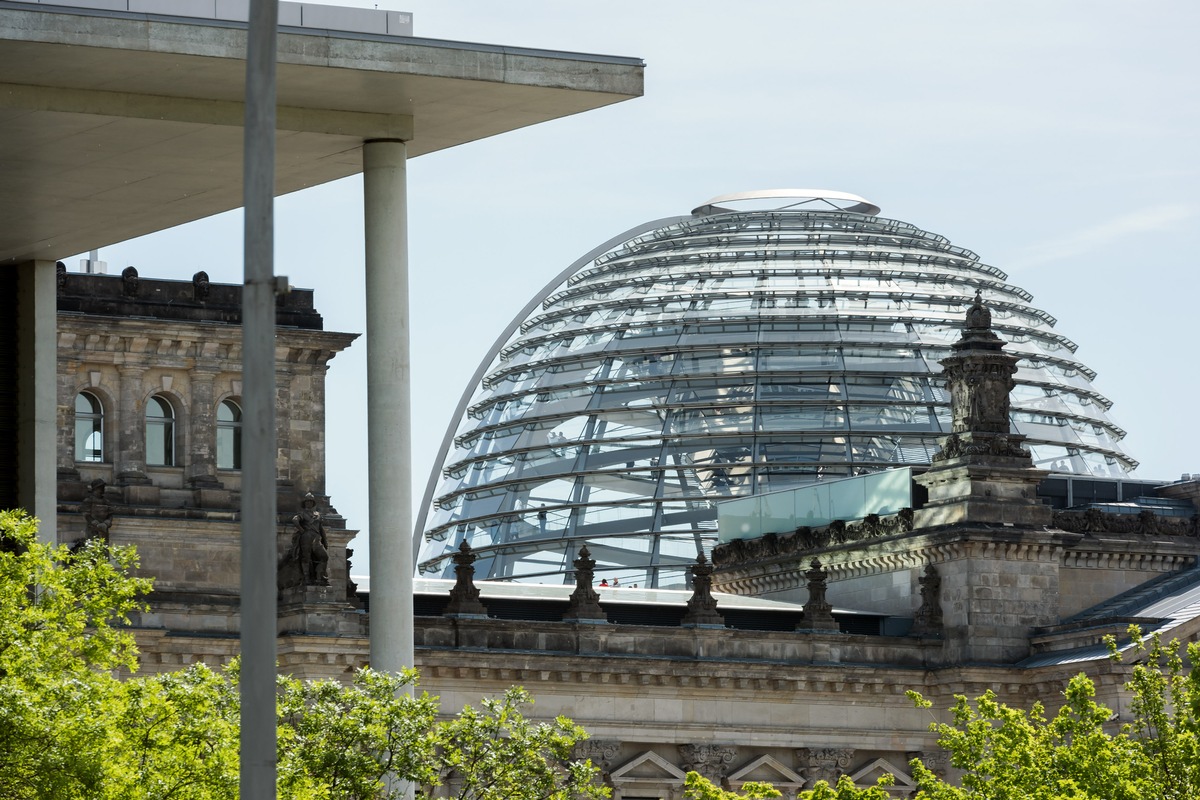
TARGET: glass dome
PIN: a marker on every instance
(734, 351)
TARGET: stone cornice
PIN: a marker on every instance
(774, 569)
(878, 556)
(116, 341)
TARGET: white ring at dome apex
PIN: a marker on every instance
(791, 199)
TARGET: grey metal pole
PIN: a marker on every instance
(389, 432)
(258, 626)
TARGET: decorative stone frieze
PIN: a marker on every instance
(710, 760)
(823, 764)
(1145, 523)
(741, 552)
(601, 752)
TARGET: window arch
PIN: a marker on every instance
(229, 435)
(160, 432)
(89, 428)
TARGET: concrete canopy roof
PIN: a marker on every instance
(117, 124)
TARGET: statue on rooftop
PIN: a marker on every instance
(310, 545)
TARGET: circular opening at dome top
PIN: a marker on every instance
(787, 200)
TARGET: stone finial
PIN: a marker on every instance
(464, 597)
(129, 281)
(702, 606)
(823, 764)
(928, 619)
(201, 286)
(585, 603)
(979, 376)
(978, 316)
(710, 760)
(818, 613)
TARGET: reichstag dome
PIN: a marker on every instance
(767, 340)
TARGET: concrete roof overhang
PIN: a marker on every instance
(117, 124)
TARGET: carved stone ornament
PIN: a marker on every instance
(129, 281)
(1145, 523)
(601, 752)
(818, 613)
(702, 606)
(710, 760)
(803, 540)
(823, 764)
(60, 275)
(936, 761)
(585, 603)
(97, 514)
(928, 619)
(464, 597)
(201, 286)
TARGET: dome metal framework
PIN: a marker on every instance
(722, 354)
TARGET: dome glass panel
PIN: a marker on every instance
(723, 354)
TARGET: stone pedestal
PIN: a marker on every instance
(977, 488)
(321, 610)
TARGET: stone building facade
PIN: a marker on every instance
(787, 662)
(149, 391)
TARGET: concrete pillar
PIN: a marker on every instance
(389, 439)
(37, 395)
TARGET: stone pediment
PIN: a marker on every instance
(648, 768)
(870, 774)
(768, 770)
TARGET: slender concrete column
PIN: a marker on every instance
(389, 436)
(37, 401)
(259, 518)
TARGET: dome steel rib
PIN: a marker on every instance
(768, 340)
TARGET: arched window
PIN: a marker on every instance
(160, 433)
(229, 435)
(89, 428)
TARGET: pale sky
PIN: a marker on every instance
(1058, 140)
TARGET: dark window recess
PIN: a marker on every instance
(1054, 492)
(864, 626)
(429, 605)
(746, 620)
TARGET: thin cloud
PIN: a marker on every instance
(1158, 218)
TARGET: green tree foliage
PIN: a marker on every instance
(60, 640)
(70, 729)
(495, 753)
(1007, 753)
(697, 787)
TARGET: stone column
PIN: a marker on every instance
(202, 458)
(389, 437)
(130, 460)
